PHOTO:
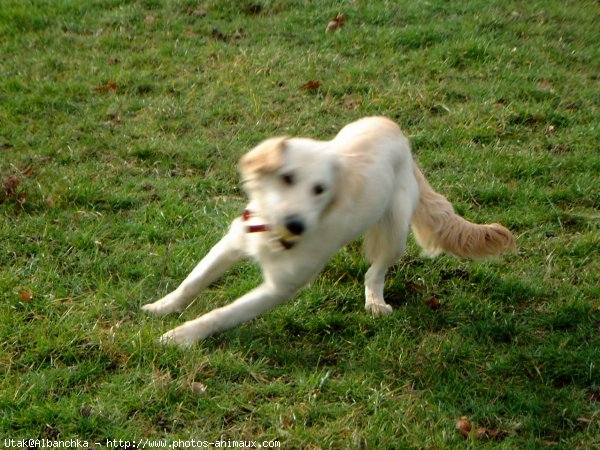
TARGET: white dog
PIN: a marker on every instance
(308, 199)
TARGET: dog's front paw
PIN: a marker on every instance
(378, 309)
(162, 307)
(187, 334)
(178, 336)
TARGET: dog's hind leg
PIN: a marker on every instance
(384, 245)
(221, 257)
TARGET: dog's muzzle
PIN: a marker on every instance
(294, 226)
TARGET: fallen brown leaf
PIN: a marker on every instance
(490, 433)
(29, 170)
(311, 85)
(433, 303)
(335, 23)
(26, 296)
(110, 86)
(10, 186)
(415, 287)
(481, 433)
(464, 426)
(544, 83)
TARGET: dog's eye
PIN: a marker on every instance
(318, 189)
(287, 178)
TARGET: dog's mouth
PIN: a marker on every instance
(286, 244)
(280, 242)
(283, 239)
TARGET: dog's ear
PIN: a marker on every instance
(337, 186)
(266, 157)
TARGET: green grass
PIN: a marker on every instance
(120, 126)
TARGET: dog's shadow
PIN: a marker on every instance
(323, 330)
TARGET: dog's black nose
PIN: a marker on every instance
(294, 225)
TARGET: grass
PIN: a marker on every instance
(121, 125)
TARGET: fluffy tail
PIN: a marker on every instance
(437, 228)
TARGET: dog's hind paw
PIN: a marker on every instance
(378, 309)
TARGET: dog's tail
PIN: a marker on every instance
(437, 228)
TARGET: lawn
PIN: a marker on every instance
(121, 123)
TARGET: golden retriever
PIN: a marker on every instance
(309, 198)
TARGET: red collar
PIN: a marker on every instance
(246, 215)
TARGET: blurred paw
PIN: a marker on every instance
(378, 309)
(179, 336)
(162, 307)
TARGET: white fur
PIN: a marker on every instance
(369, 185)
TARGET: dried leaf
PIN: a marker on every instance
(433, 303)
(198, 388)
(29, 170)
(481, 433)
(50, 203)
(10, 186)
(26, 296)
(311, 85)
(335, 23)
(490, 433)
(464, 426)
(110, 86)
(415, 287)
(544, 84)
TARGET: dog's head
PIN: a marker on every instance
(291, 182)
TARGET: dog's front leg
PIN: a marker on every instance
(247, 307)
(221, 257)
